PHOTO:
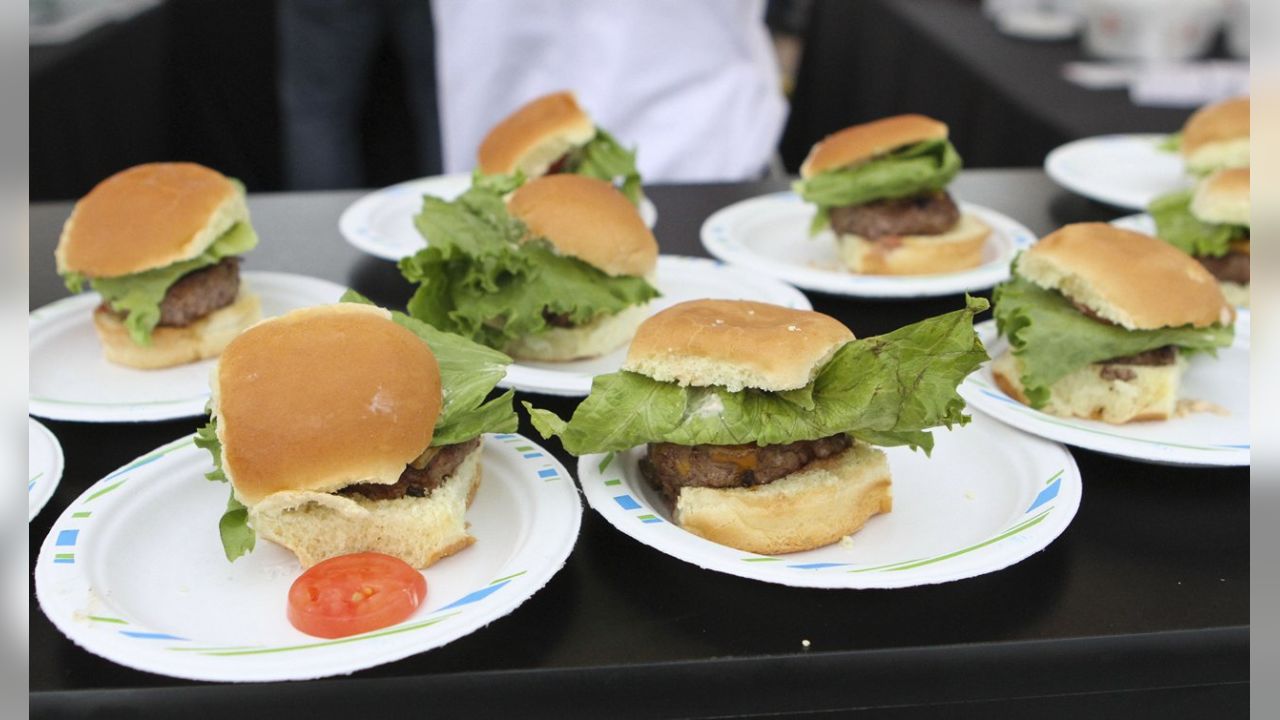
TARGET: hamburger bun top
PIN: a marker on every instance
(321, 398)
(1226, 120)
(587, 219)
(1130, 279)
(1217, 136)
(1223, 198)
(860, 143)
(735, 344)
(147, 217)
(535, 136)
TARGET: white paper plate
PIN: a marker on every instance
(770, 235)
(44, 466)
(989, 497)
(133, 571)
(1141, 222)
(71, 380)
(381, 223)
(679, 279)
(1127, 171)
(1197, 439)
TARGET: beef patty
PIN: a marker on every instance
(560, 320)
(929, 213)
(418, 482)
(561, 165)
(1121, 368)
(569, 162)
(670, 467)
(1232, 267)
(198, 293)
(1166, 355)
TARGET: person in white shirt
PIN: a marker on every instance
(326, 50)
(693, 84)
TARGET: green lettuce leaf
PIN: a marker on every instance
(885, 390)
(922, 167)
(1170, 143)
(468, 373)
(1177, 226)
(238, 538)
(139, 295)
(605, 159)
(498, 183)
(207, 439)
(1053, 339)
(478, 280)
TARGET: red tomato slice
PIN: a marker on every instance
(353, 594)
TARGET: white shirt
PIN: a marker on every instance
(693, 84)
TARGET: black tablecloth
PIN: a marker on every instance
(190, 80)
(1004, 98)
(1141, 607)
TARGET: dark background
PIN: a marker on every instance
(196, 80)
(189, 80)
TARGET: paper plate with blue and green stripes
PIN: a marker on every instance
(989, 497)
(1211, 426)
(133, 571)
(44, 466)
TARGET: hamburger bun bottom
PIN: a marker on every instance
(817, 505)
(419, 531)
(960, 248)
(170, 346)
(598, 337)
(1152, 394)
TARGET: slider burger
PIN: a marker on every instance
(551, 135)
(559, 271)
(160, 243)
(1100, 320)
(762, 422)
(1216, 136)
(1211, 223)
(881, 186)
(346, 428)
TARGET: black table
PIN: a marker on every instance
(1140, 607)
(1004, 98)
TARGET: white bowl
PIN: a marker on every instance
(1150, 30)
